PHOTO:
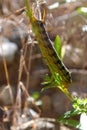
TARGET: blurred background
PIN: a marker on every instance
(21, 59)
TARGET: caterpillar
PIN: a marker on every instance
(48, 51)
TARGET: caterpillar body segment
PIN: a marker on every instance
(49, 53)
(47, 49)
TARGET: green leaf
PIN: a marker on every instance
(47, 87)
(28, 10)
(51, 81)
(80, 105)
(58, 79)
(36, 95)
(69, 122)
(48, 79)
(71, 113)
(57, 45)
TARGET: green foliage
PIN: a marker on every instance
(56, 81)
(36, 95)
(57, 45)
(79, 106)
(28, 11)
(51, 81)
(70, 122)
(48, 82)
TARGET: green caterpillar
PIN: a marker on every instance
(48, 51)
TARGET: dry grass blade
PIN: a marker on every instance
(6, 74)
